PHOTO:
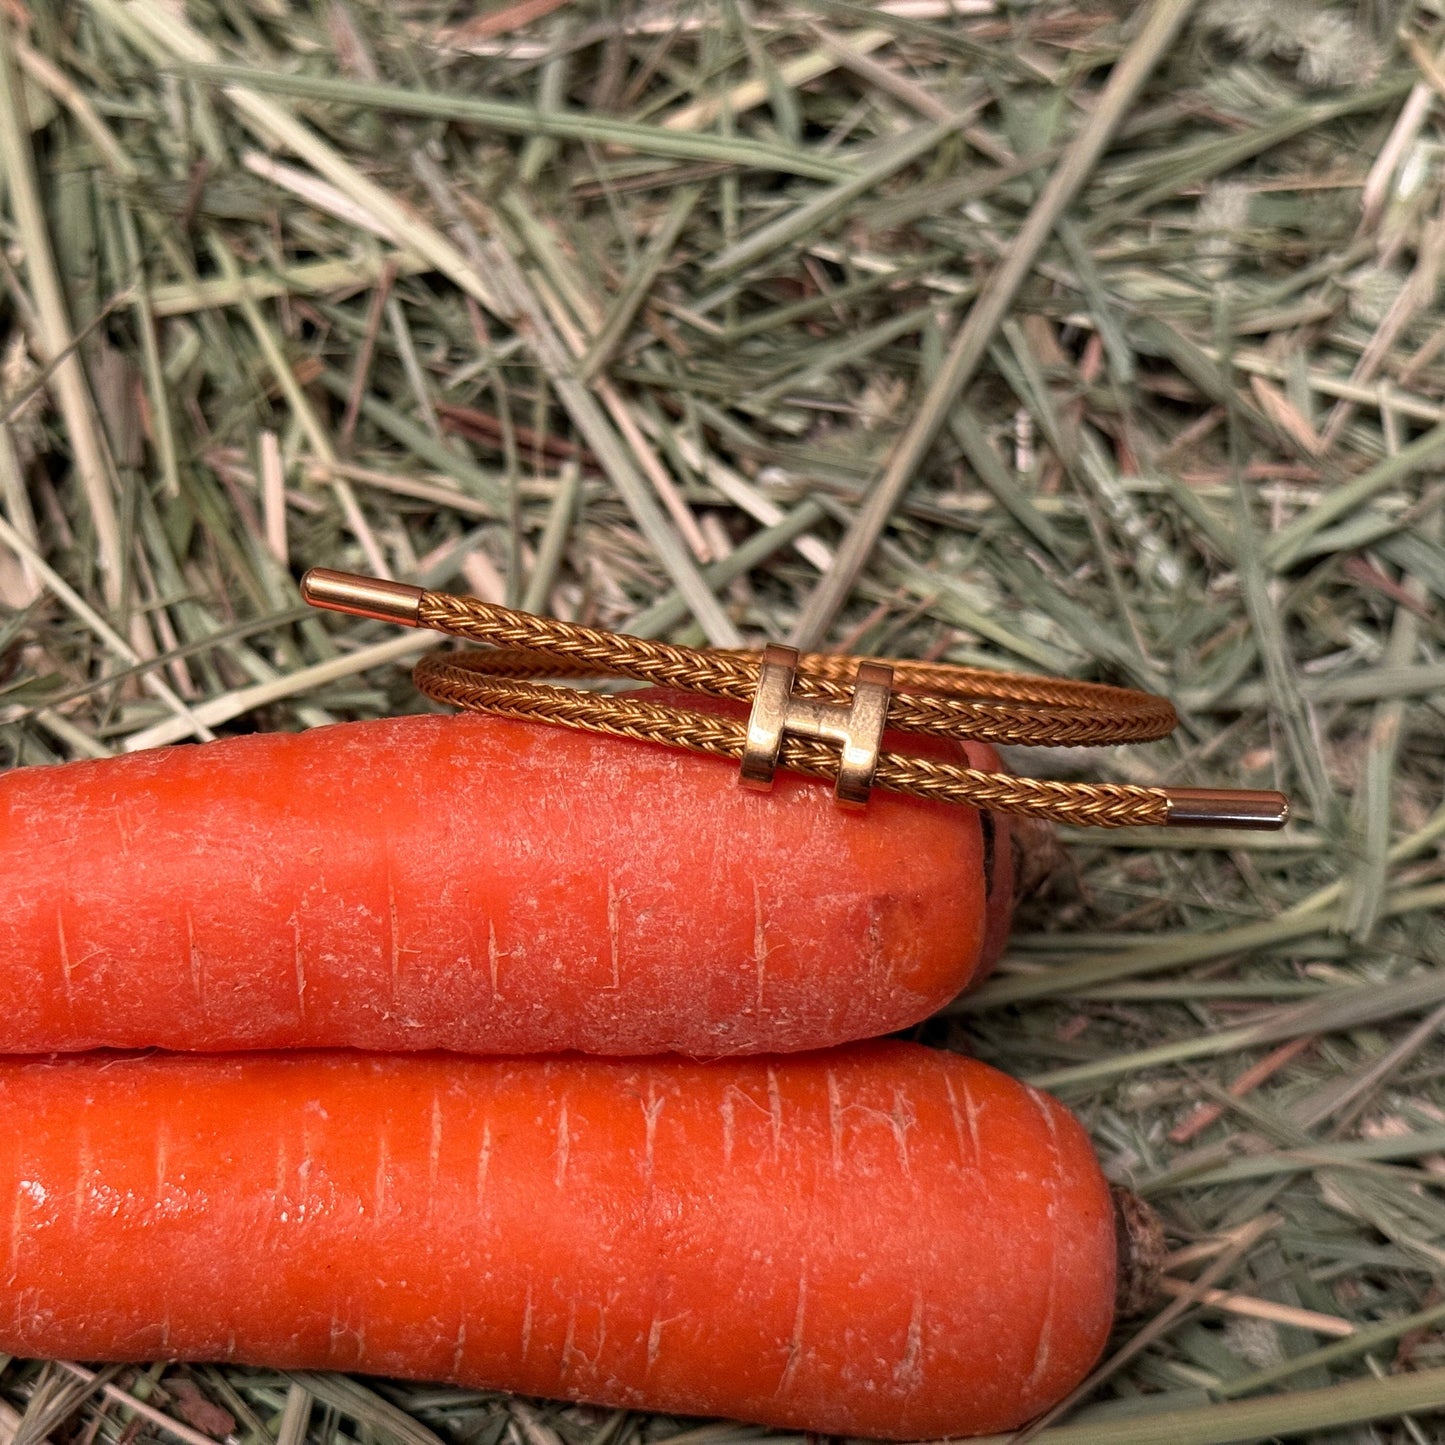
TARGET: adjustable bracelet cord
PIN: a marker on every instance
(809, 700)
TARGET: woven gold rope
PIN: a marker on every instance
(928, 698)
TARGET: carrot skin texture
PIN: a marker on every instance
(472, 884)
(880, 1240)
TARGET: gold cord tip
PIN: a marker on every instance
(363, 596)
(1226, 808)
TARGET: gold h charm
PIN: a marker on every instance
(857, 728)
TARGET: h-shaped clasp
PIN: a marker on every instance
(856, 727)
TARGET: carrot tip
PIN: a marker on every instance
(1038, 857)
(1139, 1237)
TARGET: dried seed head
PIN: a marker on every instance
(1139, 1237)
(1327, 47)
(1223, 208)
(1334, 51)
(1256, 1341)
(1222, 214)
(1372, 291)
(881, 400)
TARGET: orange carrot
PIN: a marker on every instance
(480, 885)
(879, 1240)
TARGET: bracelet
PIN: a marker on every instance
(819, 714)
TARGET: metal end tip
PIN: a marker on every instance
(1227, 808)
(363, 596)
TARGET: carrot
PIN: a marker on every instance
(479, 885)
(879, 1240)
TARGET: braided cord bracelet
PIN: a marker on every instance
(819, 714)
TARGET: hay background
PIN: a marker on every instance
(389, 287)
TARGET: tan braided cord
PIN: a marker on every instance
(928, 698)
(826, 716)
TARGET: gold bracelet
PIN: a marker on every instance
(813, 713)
